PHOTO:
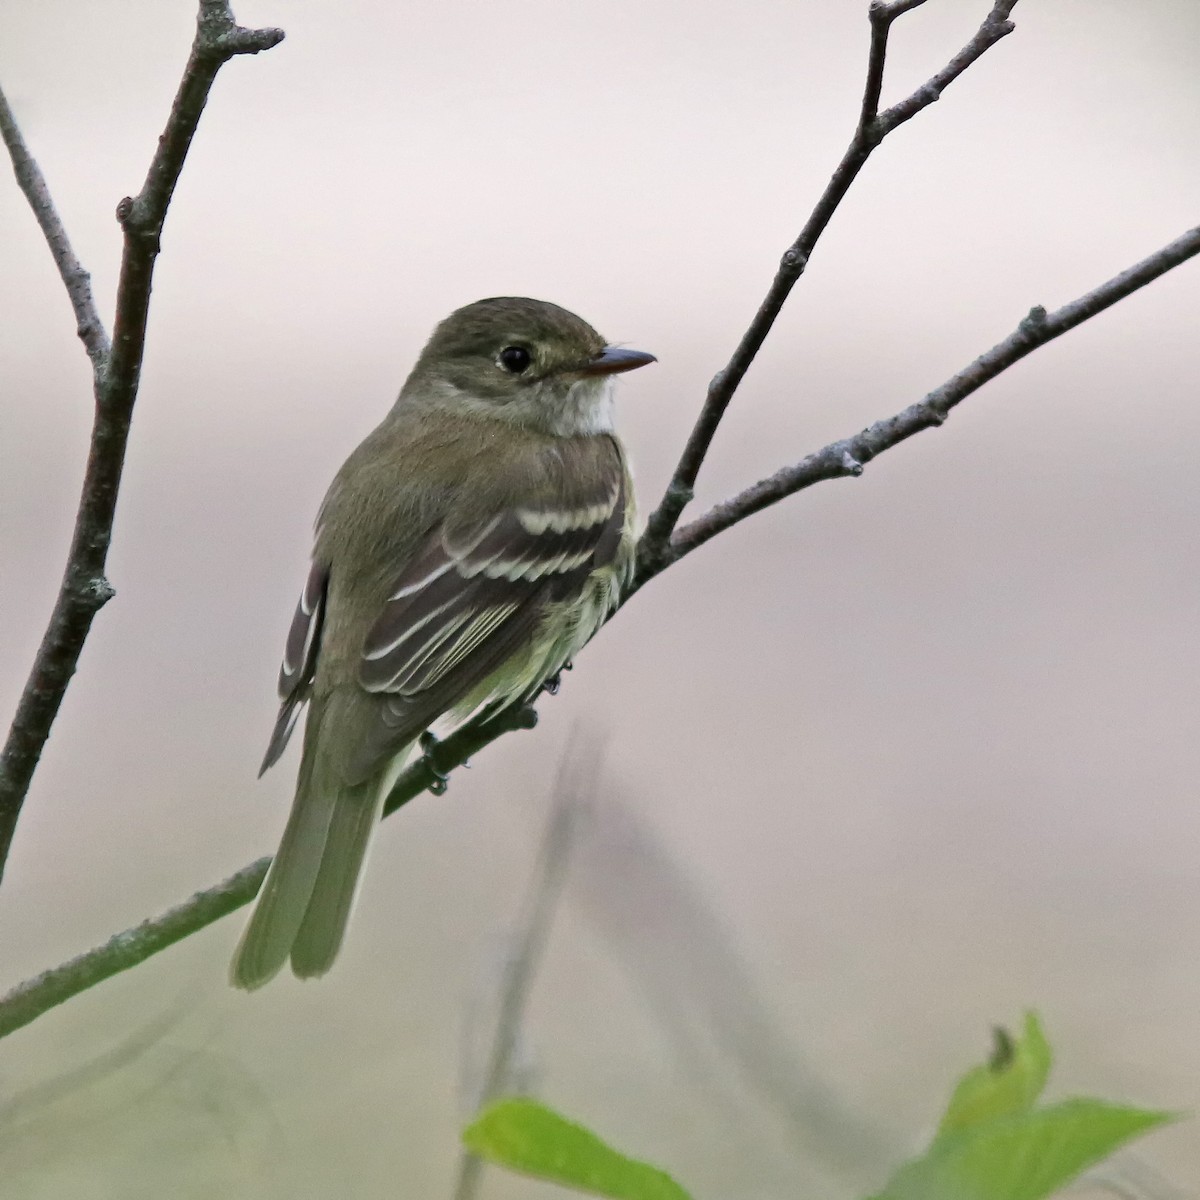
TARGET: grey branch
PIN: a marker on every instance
(848, 456)
(837, 460)
(871, 129)
(30, 999)
(662, 545)
(116, 371)
(75, 279)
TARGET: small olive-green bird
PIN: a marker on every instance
(466, 550)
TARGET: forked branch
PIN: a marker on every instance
(849, 456)
(116, 370)
(842, 458)
(871, 129)
(84, 587)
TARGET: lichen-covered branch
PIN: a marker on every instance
(30, 999)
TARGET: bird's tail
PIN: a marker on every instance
(305, 901)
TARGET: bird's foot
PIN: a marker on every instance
(429, 747)
(555, 681)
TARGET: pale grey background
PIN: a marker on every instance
(926, 742)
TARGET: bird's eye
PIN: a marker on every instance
(514, 359)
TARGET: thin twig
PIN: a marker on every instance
(30, 999)
(881, 15)
(846, 458)
(869, 132)
(837, 460)
(996, 25)
(75, 279)
(84, 589)
(574, 790)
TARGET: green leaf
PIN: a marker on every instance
(1025, 1156)
(1009, 1083)
(526, 1136)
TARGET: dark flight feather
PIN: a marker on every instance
(299, 662)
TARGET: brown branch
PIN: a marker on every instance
(871, 129)
(75, 279)
(848, 456)
(84, 589)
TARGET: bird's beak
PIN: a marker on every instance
(613, 359)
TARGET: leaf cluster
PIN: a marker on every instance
(994, 1141)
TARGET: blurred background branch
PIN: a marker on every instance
(838, 459)
(678, 989)
(689, 970)
(573, 797)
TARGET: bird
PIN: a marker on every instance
(465, 551)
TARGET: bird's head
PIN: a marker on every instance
(525, 361)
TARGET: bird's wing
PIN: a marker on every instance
(299, 661)
(469, 599)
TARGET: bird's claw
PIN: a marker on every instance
(552, 684)
(441, 779)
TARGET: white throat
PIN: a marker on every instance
(587, 408)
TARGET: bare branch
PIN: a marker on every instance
(996, 25)
(848, 456)
(869, 132)
(84, 589)
(75, 279)
(218, 39)
(837, 460)
(881, 15)
(30, 999)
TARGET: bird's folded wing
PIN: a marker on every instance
(471, 599)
